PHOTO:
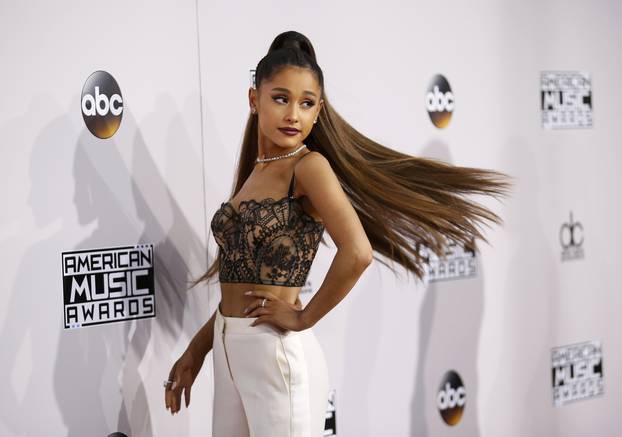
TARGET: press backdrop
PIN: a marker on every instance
(519, 338)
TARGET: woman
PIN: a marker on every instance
(271, 377)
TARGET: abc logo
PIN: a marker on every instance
(571, 234)
(439, 101)
(101, 104)
(451, 398)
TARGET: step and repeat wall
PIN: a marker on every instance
(121, 125)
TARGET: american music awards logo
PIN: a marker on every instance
(459, 262)
(107, 285)
(330, 424)
(571, 239)
(565, 99)
(577, 372)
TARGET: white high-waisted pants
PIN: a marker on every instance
(267, 384)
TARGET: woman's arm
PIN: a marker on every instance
(318, 182)
(203, 340)
(344, 272)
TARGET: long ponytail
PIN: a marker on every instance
(406, 204)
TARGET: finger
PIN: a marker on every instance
(167, 399)
(176, 391)
(255, 305)
(173, 405)
(267, 320)
(261, 319)
(250, 308)
(261, 293)
(258, 312)
(171, 402)
(177, 400)
(168, 393)
(187, 395)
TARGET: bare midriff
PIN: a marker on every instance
(233, 300)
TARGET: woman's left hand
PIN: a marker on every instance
(282, 315)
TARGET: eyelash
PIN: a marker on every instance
(312, 103)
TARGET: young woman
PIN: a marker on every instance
(303, 170)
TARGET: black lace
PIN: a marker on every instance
(268, 241)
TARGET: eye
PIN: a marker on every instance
(311, 103)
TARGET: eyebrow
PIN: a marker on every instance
(285, 90)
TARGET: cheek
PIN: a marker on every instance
(272, 116)
(266, 121)
(308, 122)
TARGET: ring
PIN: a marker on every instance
(263, 302)
(167, 382)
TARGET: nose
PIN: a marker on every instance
(292, 114)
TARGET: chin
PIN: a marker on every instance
(288, 143)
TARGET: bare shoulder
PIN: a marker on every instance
(320, 185)
(311, 166)
(312, 157)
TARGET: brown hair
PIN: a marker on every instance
(406, 204)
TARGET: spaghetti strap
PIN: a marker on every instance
(292, 183)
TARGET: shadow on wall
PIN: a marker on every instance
(108, 192)
(154, 202)
(522, 382)
(33, 315)
(363, 337)
(88, 360)
(449, 331)
(92, 374)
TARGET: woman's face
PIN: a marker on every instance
(290, 99)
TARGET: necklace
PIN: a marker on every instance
(287, 155)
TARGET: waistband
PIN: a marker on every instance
(242, 325)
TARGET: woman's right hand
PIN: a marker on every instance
(183, 373)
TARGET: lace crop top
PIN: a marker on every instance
(267, 241)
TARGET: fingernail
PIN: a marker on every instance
(248, 292)
(245, 310)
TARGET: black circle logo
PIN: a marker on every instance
(451, 398)
(101, 104)
(439, 101)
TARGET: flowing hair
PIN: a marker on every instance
(408, 205)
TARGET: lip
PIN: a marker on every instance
(289, 131)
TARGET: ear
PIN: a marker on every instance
(320, 106)
(252, 98)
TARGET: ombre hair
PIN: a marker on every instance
(408, 205)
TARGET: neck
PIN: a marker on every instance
(268, 149)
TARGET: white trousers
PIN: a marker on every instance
(267, 384)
